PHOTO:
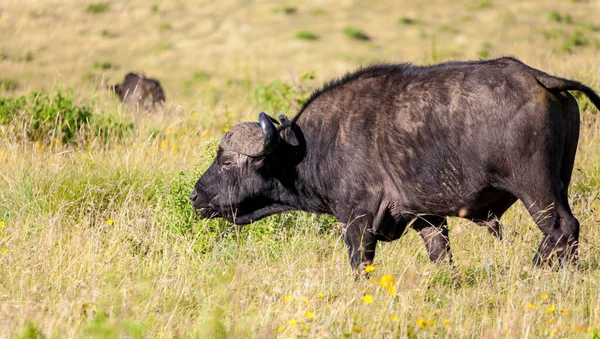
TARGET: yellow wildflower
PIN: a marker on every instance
(287, 298)
(446, 323)
(577, 328)
(356, 330)
(530, 306)
(392, 290)
(280, 329)
(2, 223)
(554, 331)
(309, 315)
(293, 322)
(544, 296)
(369, 268)
(564, 312)
(551, 309)
(386, 281)
(321, 294)
(5, 252)
(109, 222)
(421, 322)
(552, 321)
(368, 299)
(372, 281)
(305, 301)
(164, 144)
(394, 318)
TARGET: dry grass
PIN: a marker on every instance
(88, 238)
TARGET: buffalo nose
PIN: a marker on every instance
(194, 195)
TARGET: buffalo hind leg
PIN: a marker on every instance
(561, 229)
(361, 243)
(434, 232)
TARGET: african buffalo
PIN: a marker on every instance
(136, 89)
(391, 147)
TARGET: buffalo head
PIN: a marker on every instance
(247, 179)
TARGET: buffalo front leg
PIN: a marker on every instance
(361, 243)
(434, 232)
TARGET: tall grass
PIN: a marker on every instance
(97, 238)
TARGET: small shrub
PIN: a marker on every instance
(481, 5)
(406, 21)
(289, 10)
(8, 85)
(279, 97)
(97, 8)
(449, 29)
(356, 34)
(555, 16)
(568, 19)
(102, 65)
(31, 331)
(44, 116)
(165, 26)
(28, 57)
(577, 39)
(107, 34)
(484, 52)
(306, 35)
(154, 9)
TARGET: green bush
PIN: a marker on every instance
(45, 117)
(97, 8)
(280, 97)
(356, 34)
(306, 35)
(577, 39)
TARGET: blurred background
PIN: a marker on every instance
(211, 54)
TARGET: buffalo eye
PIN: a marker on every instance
(227, 164)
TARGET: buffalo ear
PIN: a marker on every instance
(285, 122)
(270, 134)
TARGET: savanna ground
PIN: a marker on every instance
(97, 237)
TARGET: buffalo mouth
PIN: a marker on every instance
(208, 212)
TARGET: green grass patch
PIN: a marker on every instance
(484, 51)
(102, 65)
(8, 84)
(165, 26)
(98, 8)
(356, 34)
(306, 35)
(45, 117)
(407, 21)
(575, 40)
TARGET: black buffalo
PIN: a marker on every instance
(136, 89)
(391, 147)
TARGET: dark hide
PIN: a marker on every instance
(138, 90)
(392, 147)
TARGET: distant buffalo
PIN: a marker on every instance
(391, 147)
(136, 89)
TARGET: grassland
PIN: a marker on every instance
(97, 238)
